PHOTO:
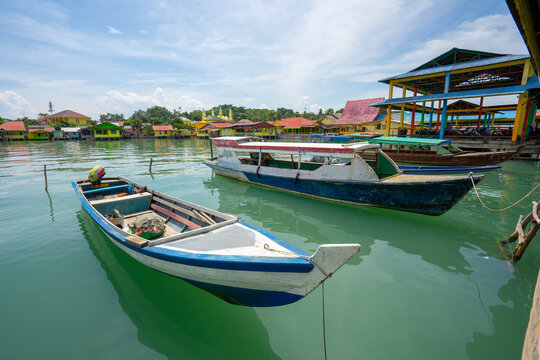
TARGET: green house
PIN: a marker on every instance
(106, 131)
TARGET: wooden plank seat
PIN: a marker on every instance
(121, 198)
(174, 216)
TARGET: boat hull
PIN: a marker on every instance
(446, 170)
(464, 159)
(426, 197)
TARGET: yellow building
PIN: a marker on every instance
(15, 130)
(163, 130)
(40, 134)
(71, 117)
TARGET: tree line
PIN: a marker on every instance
(142, 120)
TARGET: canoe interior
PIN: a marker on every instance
(375, 159)
(130, 200)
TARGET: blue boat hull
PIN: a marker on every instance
(446, 170)
(426, 197)
(234, 295)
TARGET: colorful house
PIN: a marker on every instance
(107, 131)
(71, 117)
(15, 130)
(298, 125)
(328, 123)
(355, 114)
(217, 129)
(163, 130)
(40, 133)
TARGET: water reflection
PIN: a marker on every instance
(321, 222)
(173, 317)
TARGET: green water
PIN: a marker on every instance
(422, 288)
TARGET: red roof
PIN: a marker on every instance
(296, 123)
(13, 126)
(216, 125)
(162, 127)
(47, 130)
(359, 112)
(67, 113)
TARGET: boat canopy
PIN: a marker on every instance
(322, 149)
(407, 141)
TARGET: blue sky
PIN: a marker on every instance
(99, 56)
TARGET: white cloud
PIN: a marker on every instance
(13, 105)
(116, 102)
(112, 30)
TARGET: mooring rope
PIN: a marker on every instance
(326, 276)
(506, 208)
(323, 323)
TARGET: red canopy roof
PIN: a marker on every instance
(13, 126)
(162, 127)
(359, 112)
(296, 123)
(67, 113)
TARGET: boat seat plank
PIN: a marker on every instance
(193, 213)
(176, 217)
(121, 198)
(137, 241)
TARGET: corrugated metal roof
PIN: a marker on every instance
(296, 123)
(459, 66)
(358, 112)
(162, 127)
(532, 83)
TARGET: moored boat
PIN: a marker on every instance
(207, 248)
(358, 173)
(446, 170)
(438, 152)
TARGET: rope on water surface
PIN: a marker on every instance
(506, 208)
(267, 247)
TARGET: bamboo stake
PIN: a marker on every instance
(45, 173)
(150, 168)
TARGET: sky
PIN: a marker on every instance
(96, 57)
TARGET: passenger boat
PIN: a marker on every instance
(437, 152)
(207, 248)
(358, 173)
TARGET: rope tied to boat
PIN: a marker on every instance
(326, 276)
(506, 208)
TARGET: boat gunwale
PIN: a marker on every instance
(290, 263)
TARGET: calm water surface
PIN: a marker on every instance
(422, 288)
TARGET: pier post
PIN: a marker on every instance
(45, 173)
(211, 148)
(150, 168)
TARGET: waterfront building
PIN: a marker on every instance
(40, 133)
(298, 125)
(72, 118)
(72, 133)
(107, 131)
(328, 123)
(163, 130)
(356, 113)
(464, 74)
(14, 130)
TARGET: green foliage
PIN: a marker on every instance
(111, 117)
(148, 130)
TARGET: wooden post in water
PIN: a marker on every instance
(45, 173)
(211, 149)
(150, 168)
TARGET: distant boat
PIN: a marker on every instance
(423, 151)
(209, 249)
(446, 170)
(358, 173)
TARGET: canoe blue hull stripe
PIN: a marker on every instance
(248, 297)
(429, 198)
(231, 262)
